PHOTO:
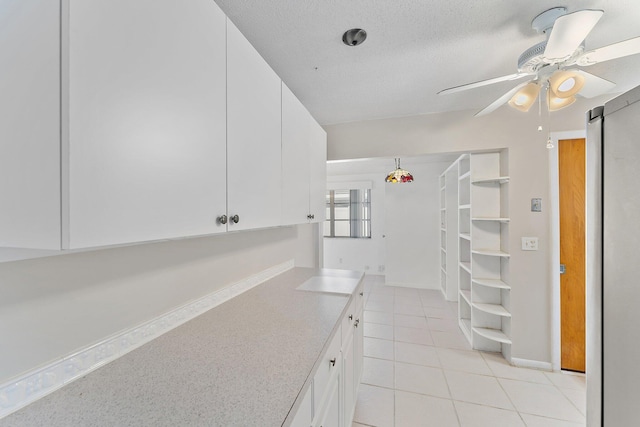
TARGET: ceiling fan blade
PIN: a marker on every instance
(612, 51)
(568, 32)
(498, 102)
(594, 85)
(483, 83)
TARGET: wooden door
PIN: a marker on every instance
(571, 162)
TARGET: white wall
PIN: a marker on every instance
(51, 307)
(413, 229)
(407, 214)
(530, 272)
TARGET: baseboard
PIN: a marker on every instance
(532, 364)
(42, 381)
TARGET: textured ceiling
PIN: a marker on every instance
(385, 165)
(414, 49)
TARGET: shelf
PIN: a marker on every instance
(466, 295)
(492, 334)
(442, 188)
(503, 220)
(466, 236)
(496, 180)
(443, 209)
(466, 266)
(443, 229)
(443, 250)
(490, 252)
(465, 325)
(491, 283)
(464, 176)
(464, 207)
(496, 309)
(443, 270)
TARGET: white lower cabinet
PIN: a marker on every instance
(349, 377)
(333, 392)
(304, 414)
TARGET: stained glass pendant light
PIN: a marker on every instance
(399, 175)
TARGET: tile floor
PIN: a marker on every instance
(420, 371)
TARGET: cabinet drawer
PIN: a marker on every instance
(328, 365)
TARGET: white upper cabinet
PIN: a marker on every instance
(147, 121)
(296, 134)
(318, 172)
(304, 157)
(254, 181)
(30, 124)
(133, 121)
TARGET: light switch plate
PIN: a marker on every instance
(536, 205)
(529, 243)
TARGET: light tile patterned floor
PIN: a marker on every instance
(420, 371)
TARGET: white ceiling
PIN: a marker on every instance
(382, 165)
(414, 49)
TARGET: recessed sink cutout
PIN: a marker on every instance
(332, 285)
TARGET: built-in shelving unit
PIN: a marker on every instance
(482, 250)
(476, 253)
(464, 244)
(489, 314)
(449, 231)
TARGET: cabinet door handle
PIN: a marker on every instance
(222, 219)
(355, 325)
(309, 216)
(351, 317)
(361, 293)
(333, 361)
(313, 216)
(235, 219)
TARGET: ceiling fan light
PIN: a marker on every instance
(566, 83)
(557, 103)
(525, 97)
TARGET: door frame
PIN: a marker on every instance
(554, 209)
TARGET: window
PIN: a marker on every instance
(348, 214)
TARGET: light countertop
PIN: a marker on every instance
(242, 363)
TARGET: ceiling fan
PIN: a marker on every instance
(553, 63)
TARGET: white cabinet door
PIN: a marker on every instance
(253, 136)
(296, 134)
(30, 124)
(318, 171)
(330, 415)
(358, 350)
(348, 379)
(147, 120)
(303, 415)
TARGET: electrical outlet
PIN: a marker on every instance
(529, 243)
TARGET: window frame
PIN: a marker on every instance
(360, 226)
